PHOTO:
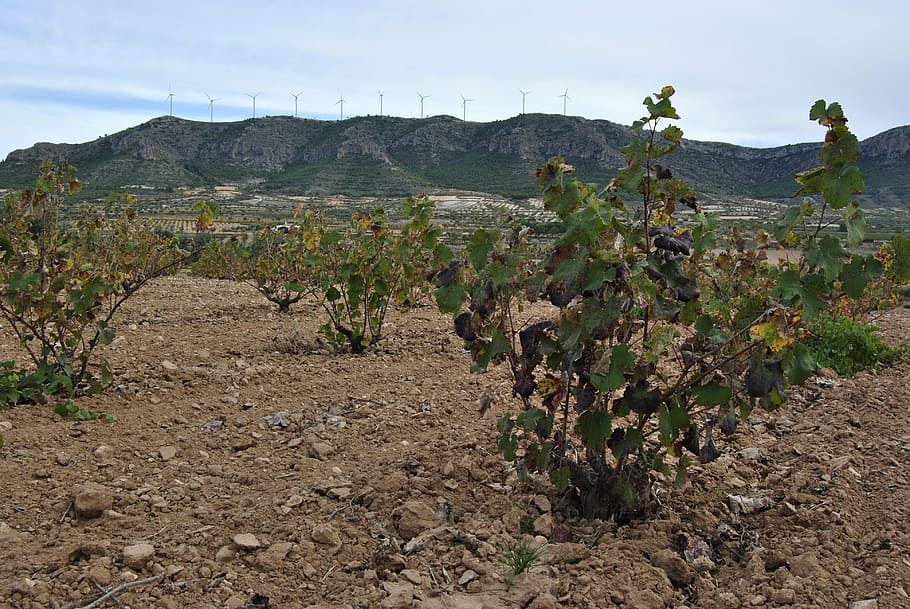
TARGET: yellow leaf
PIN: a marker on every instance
(776, 337)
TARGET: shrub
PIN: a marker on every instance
(364, 268)
(848, 345)
(273, 263)
(62, 282)
(652, 340)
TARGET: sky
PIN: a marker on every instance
(745, 72)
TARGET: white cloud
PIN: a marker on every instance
(745, 72)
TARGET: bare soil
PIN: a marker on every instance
(245, 456)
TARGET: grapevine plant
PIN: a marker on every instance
(651, 330)
(62, 281)
(356, 272)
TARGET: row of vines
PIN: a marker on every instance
(651, 333)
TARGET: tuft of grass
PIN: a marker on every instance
(521, 557)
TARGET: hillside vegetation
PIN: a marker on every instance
(391, 156)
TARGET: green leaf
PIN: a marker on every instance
(838, 189)
(671, 421)
(528, 419)
(799, 364)
(489, 350)
(560, 478)
(508, 445)
(504, 423)
(449, 298)
(594, 428)
(826, 255)
(630, 441)
(855, 221)
(819, 111)
(899, 270)
(712, 394)
(621, 359)
(786, 222)
(856, 276)
(480, 246)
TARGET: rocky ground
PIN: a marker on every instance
(245, 457)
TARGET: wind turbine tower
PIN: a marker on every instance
(295, 96)
(422, 97)
(380, 103)
(524, 94)
(170, 96)
(464, 107)
(253, 97)
(341, 103)
(565, 97)
(212, 101)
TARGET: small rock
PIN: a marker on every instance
(784, 596)
(91, 499)
(569, 553)
(326, 534)
(166, 453)
(294, 442)
(138, 555)
(64, 459)
(100, 575)
(246, 541)
(293, 501)
(543, 525)
(41, 474)
(10, 536)
(544, 600)
(752, 454)
(448, 470)
(225, 554)
(104, 452)
(321, 450)
(805, 565)
(242, 443)
(643, 599)
(413, 518)
(871, 603)
(278, 551)
(413, 576)
(542, 503)
(169, 366)
(673, 565)
(728, 599)
(740, 504)
(467, 577)
(400, 595)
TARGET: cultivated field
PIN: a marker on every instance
(246, 456)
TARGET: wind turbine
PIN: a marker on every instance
(170, 96)
(523, 95)
(422, 97)
(380, 103)
(253, 97)
(212, 101)
(464, 107)
(295, 96)
(341, 102)
(565, 97)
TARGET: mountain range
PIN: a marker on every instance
(390, 156)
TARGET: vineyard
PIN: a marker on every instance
(602, 397)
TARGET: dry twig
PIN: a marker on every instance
(91, 602)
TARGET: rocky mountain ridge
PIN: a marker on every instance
(391, 156)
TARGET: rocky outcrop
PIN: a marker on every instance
(391, 155)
